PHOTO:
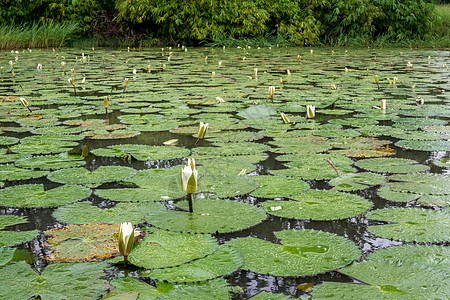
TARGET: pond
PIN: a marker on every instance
(352, 200)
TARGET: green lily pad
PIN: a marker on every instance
(6, 255)
(226, 186)
(439, 145)
(388, 194)
(102, 174)
(222, 262)
(84, 212)
(412, 224)
(403, 272)
(143, 152)
(391, 165)
(56, 281)
(442, 162)
(156, 193)
(209, 216)
(223, 166)
(162, 249)
(111, 135)
(11, 158)
(270, 296)
(8, 220)
(358, 143)
(12, 238)
(232, 149)
(34, 195)
(127, 284)
(233, 136)
(42, 144)
(307, 144)
(420, 183)
(277, 186)
(319, 205)
(80, 243)
(257, 112)
(301, 253)
(8, 140)
(359, 153)
(51, 162)
(10, 172)
(357, 181)
(214, 289)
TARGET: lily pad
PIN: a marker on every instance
(403, 272)
(8, 140)
(214, 289)
(391, 165)
(358, 143)
(209, 216)
(419, 183)
(84, 212)
(222, 262)
(8, 220)
(143, 152)
(152, 194)
(357, 181)
(223, 166)
(56, 281)
(80, 243)
(301, 253)
(12, 238)
(380, 152)
(162, 249)
(127, 284)
(10, 172)
(257, 112)
(232, 149)
(102, 174)
(226, 186)
(277, 186)
(442, 162)
(34, 195)
(51, 162)
(439, 145)
(319, 205)
(412, 224)
(111, 135)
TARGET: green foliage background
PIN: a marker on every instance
(295, 22)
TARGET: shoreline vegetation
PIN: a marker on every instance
(340, 23)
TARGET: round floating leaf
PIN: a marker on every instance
(111, 135)
(226, 186)
(57, 281)
(143, 152)
(257, 112)
(412, 224)
(127, 284)
(358, 143)
(8, 140)
(209, 216)
(43, 145)
(421, 183)
(234, 136)
(162, 249)
(358, 181)
(84, 212)
(391, 165)
(276, 186)
(6, 255)
(223, 166)
(364, 152)
(11, 158)
(102, 174)
(34, 195)
(157, 193)
(386, 193)
(88, 242)
(232, 149)
(439, 145)
(214, 289)
(222, 262)
(404, 272)
(8, 220)
(10, 172)
(269, 296)
(442, 162)
(301, 253)
(12, 238)
(319, 205)
(51, 162)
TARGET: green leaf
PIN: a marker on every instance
(209, 216)
(277, 186)
(80, 243)
(8, 220)
(51, 162)
(319, 205)
(10, 172)
(301, 253)
(226, 186)
(57, 281)
(12, 238)
(357, 181)
(420, 183)
(34, 195)
(162, 249)
(143, 152)
(127, 284)
(391, 165)
(412, 224)
(257, 112)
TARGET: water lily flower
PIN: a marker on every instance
(106, 103)
(419, 101)
(288, 72)
(213, 74)
(409, 64)
(189, 183)
(333, 87)
(134, 71)
(383, 104)
(125, 83)
(285, 118)
(255, 73)
(164, 67)
(377, 81)
(126, 240)
(39, 66)
(299, 58)
(346, 69)
(394, 81)
(220, 100)
(310, 111)
(271, 93)
(202, 127)
(149, 68)
(70, 80)
(63, 64)
(242, 172)
(84, 79)
(25, 103)
(220, 63)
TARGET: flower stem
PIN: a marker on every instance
(125, 260)
(189, 199)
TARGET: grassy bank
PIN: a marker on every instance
(36, 35)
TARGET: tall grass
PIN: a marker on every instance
(35, 35)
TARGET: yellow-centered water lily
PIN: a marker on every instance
(310, 111)
(126, 240)
(189, 175)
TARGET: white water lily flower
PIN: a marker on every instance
(383, 104)
(189, 176)
(63, 64)
(39, 66)
(202, 130)
(285, 118)
(126, 238)
(310, 111)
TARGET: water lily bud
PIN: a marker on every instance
(288, 72)
(105, 102)
(63, 64)
(377, 80)
(220, 63)
(70, 80)
(213, 74)
(394, 81)
(383, 104)
(189, 175)
(126, 238)
(310, 111)
(255, 73)
(164, 67)
(346, 69)
(24, 102)
(285, 118)
(39, 67)
(220, 100)
(409, 64)
(134, 71)
(202, 130)
(271, 91)
(84, 79)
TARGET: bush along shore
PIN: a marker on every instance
(143, 23)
